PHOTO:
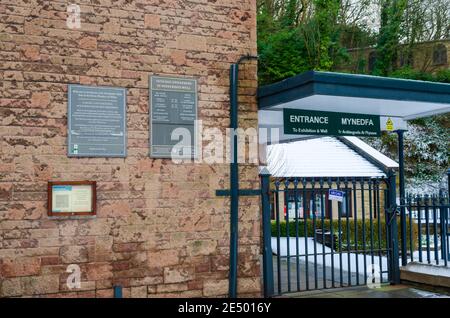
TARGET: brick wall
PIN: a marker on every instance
(160, 229)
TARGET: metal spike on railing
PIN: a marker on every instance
(304, 182)
(286, 184)
(329, 182)
(277, 184)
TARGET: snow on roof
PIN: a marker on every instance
(323, 157)
(372, 152)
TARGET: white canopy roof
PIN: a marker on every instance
(356, 93)
(327, 157)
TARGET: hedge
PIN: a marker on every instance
(376, 240)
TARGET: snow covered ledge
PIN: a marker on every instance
(427, 274)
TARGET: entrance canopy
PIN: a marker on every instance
(351, 93)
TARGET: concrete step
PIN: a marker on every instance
(428, 274)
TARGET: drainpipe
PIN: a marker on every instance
(234, 176)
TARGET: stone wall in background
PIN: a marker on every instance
(160, 229)
(424, 58)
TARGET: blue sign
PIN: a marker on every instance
(335, 195)
(97, 121)
(62, 188)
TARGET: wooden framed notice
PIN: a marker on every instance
(70, 198)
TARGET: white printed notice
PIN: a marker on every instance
(71, 198)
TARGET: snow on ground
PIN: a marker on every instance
(320, 248)
(430, 270)
(416, 258)
(328, 259)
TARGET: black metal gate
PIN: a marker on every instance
(315, 238)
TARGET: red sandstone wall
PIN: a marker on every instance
(160, 229)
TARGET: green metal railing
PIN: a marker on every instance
(431, 215)
(319, 243)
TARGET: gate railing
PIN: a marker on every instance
(430, 214)
(320, 243)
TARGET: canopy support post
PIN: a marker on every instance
(401, 177)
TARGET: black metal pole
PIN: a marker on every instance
(234, 177)
(401, 176)
(234, 182)
(392, 228)
(446, 222)
(448, 182)
(267, 235)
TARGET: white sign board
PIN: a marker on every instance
(68, 198)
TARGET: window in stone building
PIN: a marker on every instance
(346, 205)
(406, 59)
(440, 55)
(313, 206)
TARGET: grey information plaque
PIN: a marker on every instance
(97, 121)
(173, 104)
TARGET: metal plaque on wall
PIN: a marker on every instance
(173, 105)
(97, 121)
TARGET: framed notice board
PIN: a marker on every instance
(71, 198)
(96, 121)
(173, 104)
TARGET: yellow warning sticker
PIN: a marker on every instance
(389, 124)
